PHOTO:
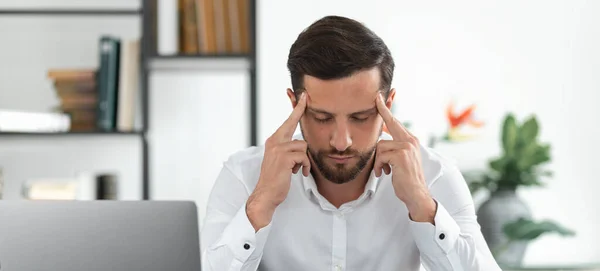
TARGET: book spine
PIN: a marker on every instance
(108, 78)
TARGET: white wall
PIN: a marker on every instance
(520, 56)
(198, 119)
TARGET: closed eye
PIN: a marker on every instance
(359, 119)
(324, 120)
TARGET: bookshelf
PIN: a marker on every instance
(150, 61)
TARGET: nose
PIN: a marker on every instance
(340, 138)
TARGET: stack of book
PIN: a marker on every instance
(103, 98)
(77, 91)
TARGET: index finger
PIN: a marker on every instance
(396, 129)
(286, 131)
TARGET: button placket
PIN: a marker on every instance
(339, 241)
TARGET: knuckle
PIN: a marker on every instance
(413, 141)
(379, 146)
(270, 142)
(276, 148)
(407, 146)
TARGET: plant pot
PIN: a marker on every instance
(503, 207)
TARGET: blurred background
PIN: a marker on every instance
(130, 99)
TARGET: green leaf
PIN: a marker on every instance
(498, 164)
(530, 179)
(541, 154)
(545, 173)
(529, 131)
(526, 229)
(509, 134)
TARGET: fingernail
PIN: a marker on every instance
(303, 95)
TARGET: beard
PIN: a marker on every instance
(341, 173)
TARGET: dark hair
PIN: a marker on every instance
(335, 47)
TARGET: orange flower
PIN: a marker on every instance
(464, 117)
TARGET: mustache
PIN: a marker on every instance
(347, 152)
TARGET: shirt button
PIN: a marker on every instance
(246, 246)
(442, 236)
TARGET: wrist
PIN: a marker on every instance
(423, 210)
(259, 211)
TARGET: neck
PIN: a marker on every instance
(338, 194)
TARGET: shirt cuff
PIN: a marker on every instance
(439, 239)
(242, 239)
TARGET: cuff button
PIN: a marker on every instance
(246, 246)
(442, 236)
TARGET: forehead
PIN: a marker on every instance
(345, 95)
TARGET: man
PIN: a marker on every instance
(341, 195)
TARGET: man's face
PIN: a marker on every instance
(341, 124)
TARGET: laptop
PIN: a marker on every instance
(98, 235)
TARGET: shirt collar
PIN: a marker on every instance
(309, 184)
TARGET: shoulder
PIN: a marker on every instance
(245, 165)
(438, 167)
(445, 181)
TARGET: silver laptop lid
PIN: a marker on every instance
(98, 235)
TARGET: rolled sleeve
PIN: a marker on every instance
(436, 240)
(239, 236)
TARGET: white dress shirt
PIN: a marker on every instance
(371, 233)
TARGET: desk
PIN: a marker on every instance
(579, 267)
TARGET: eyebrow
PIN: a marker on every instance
(363, 112)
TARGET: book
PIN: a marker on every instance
(168, 27)
(128, 85)
(72, 75)
(108, 82)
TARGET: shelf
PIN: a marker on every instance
(61, 12)
(200, 62)
(67, 133)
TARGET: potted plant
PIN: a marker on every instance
(506, 221)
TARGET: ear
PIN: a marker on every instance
(390, 99)
(292, 96)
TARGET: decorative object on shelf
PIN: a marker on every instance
(506, 221)
(461, 125)
(18, 121)
(106, 187)
(83, 186)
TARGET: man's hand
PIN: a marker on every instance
(402, 157)
(282, 158)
